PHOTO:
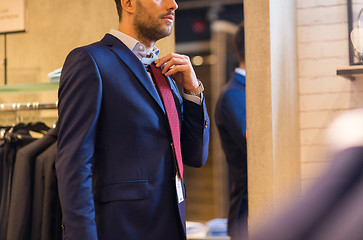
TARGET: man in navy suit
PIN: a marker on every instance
(230, 116)
(117, 174)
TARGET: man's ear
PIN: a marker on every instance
(128, 5)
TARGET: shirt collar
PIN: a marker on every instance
(135, 46)
(240, 71)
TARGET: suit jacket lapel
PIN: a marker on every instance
(134, 64)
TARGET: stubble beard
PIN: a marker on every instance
(149, 29)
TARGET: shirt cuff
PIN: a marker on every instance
(193, 98)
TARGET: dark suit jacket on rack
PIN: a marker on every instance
(111, 117)
(14, 141)
(20, 213)
(46, 223)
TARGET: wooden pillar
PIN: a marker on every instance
(272, 105)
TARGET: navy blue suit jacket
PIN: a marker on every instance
(230, 117)
(115, 165)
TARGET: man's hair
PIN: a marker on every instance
(239, 40)
(119, 9)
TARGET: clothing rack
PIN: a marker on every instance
(14, 107)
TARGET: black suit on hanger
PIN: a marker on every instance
(2, 168)
(46, 207)
(20, 213)
(15, 139)
(52, 218)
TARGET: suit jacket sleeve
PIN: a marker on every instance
(80, 94)
(195, 133)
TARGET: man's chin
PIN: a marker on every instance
(166, 33)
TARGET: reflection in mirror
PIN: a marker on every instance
(205, 32)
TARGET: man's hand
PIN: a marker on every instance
(180, 69)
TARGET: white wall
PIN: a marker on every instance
(322, 41)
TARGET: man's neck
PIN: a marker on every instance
(242, 65)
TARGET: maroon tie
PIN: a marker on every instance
(171, 112)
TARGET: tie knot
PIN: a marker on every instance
(150, 57)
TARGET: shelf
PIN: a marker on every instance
(13, 107)
(29, 88)
(351, 72)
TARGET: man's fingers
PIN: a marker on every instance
(169, 57)
(172, 63)
(174, 70)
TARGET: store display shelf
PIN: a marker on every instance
(351, 72)
(28, 88)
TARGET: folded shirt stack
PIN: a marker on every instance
(217, 227)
